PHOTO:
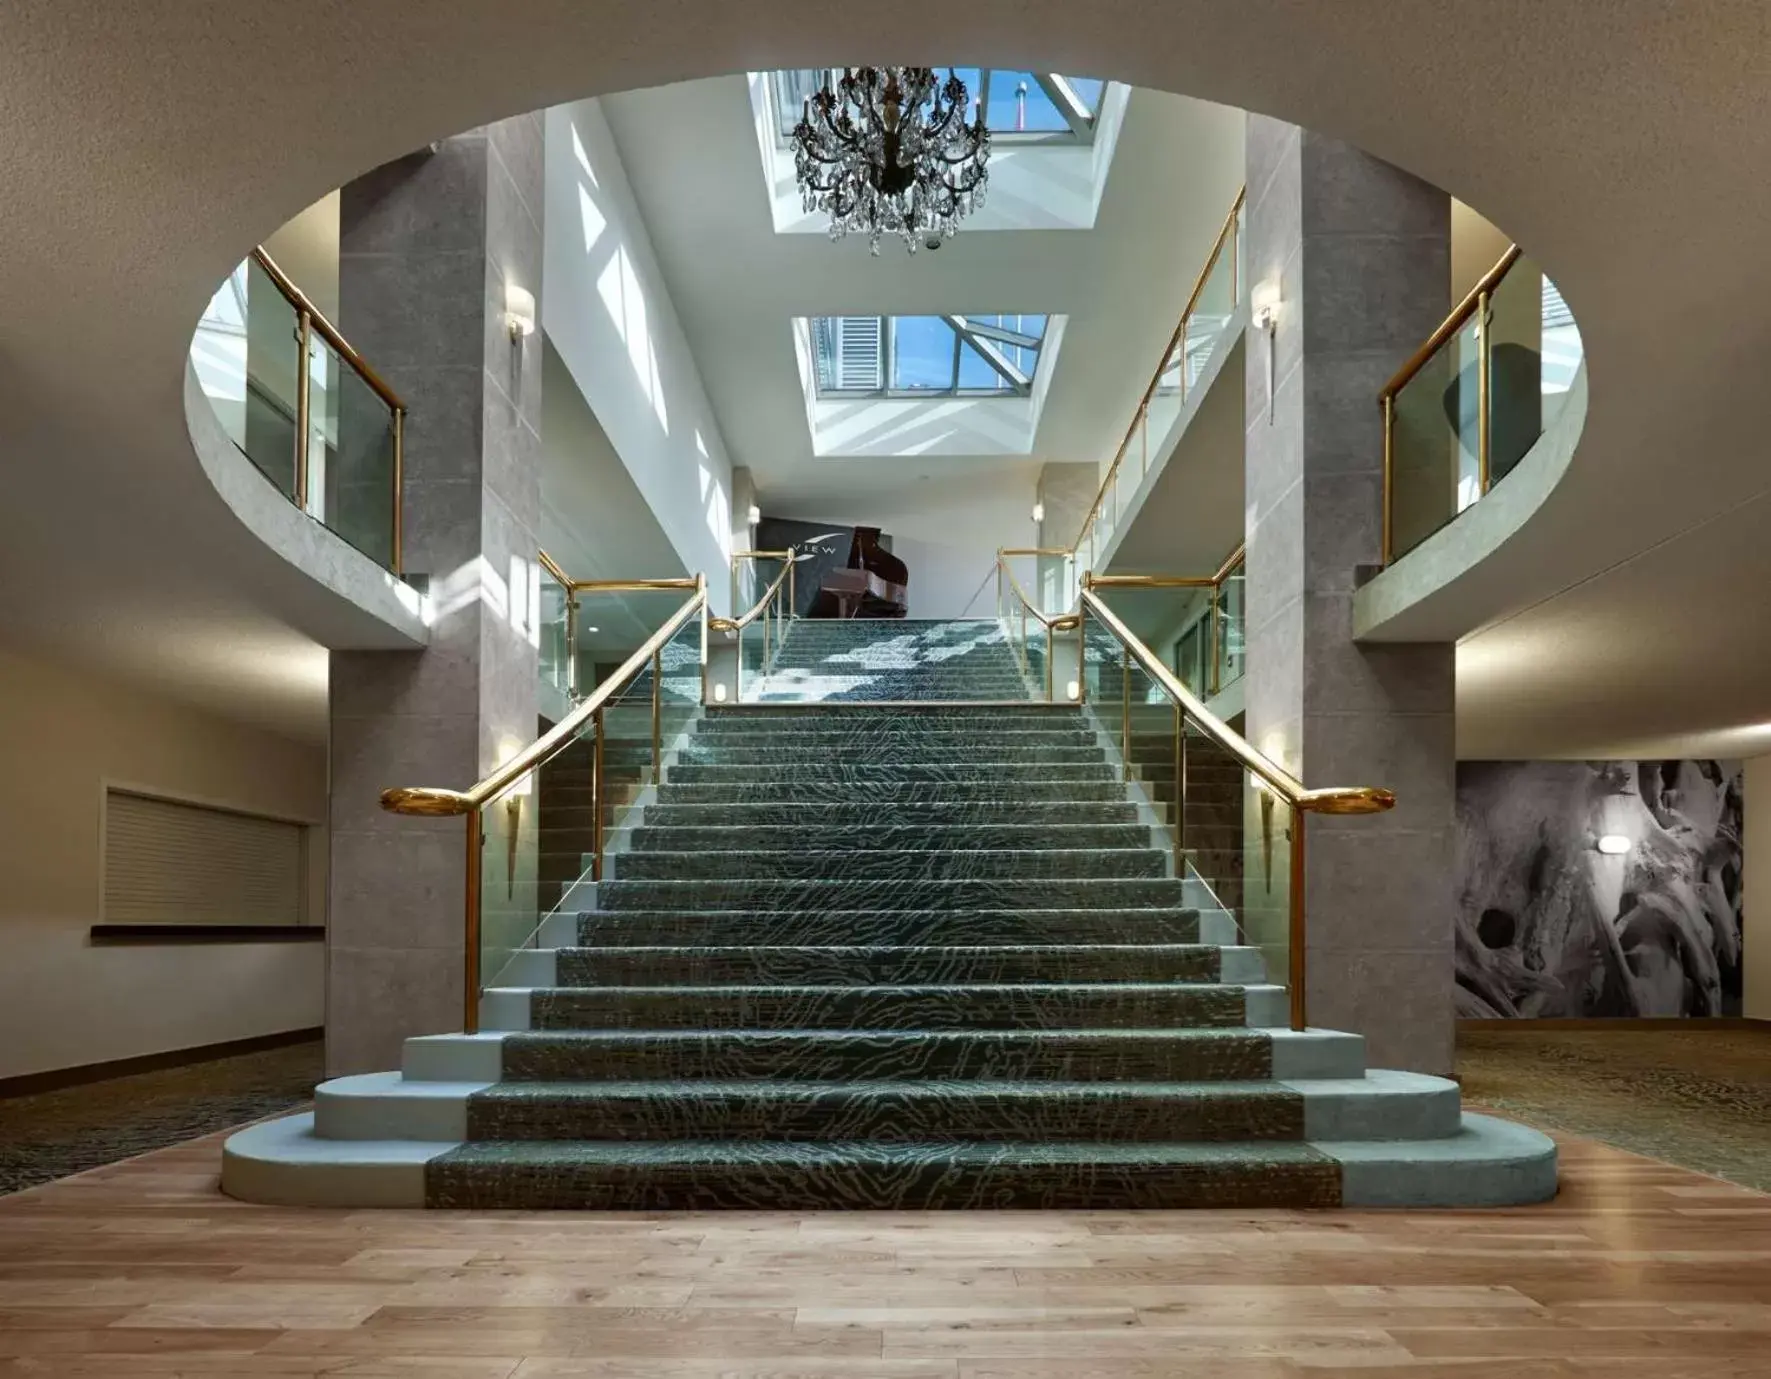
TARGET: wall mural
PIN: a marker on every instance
(1549, 925)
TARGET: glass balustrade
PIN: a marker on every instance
(1462, 415)
(304, 407)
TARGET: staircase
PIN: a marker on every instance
(924, 956)
(894, 660)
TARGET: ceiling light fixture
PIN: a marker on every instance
(887, 150)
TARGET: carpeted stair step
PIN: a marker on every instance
(886, 927)
(678, 1175)
(903, 865)
(1045, 1005)
(814, 775)
(904, 795)
(867, 834)
(889, 1111)
(792, 753)
(968, 893)
(902, 965)
(747, 728)
(907, 717)
(1133, 1055)
(884, 817)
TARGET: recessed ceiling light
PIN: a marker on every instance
(593, 629)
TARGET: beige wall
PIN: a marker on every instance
(1755, 940)
(64, 735)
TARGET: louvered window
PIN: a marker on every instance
(172, 863)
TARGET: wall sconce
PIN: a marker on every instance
(519, 312)
(1264, 303)
(1614, 844)
(719, 693)
(1039, 512)
(755, 514)
(513, 808)
(1073, 690)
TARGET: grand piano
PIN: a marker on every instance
(874, 583)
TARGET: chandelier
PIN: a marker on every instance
(887, 150)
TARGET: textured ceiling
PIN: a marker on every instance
(1623, 143)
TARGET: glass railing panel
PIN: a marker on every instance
(1231, 633)
(1167, 398)
(1534, 351)
(246, 357)
(1435, 443)
(554, 660)
(1210, 319)
(1250, 875)
(351, 464)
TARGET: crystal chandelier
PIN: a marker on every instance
(887, 150)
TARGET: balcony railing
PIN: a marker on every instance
(1465, 409)
(304, 407)
(1210, 646)
(1204, 323)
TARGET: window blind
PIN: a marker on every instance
(167, 862)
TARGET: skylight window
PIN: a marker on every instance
(927, 356)
(1019, 107)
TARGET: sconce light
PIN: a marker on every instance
(719, 694)
(1614, 844)
(513, 806)
(519, 312)
(1039, 512)
(593, 629)
(755, 514)
(1073, 690)
(1263, 305)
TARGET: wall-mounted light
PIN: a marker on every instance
(513, 808)
(1264, 302)
(719, 694)
(1039, 512)
(1073, 690)
(755, 514)
(1614, 844)
(593, 629)
(519, 311)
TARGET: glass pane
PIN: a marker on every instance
(1165, 401)
(244, 354)
(1018, 103)
(1088, 91)
(922, 354)
(350, 455)
(1516, 394)
(1239, 835)
(1434, 446)
(554, 659)
(977, 374)
(1562, 350)
(1232, 629)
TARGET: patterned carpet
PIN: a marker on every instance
(52, 1134)
(1698, 1097)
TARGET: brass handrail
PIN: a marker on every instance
(739, 624)
(437, 801)
(304, 304)
(1450, 325)
(1057, 622)
(1180, 330)
(548, 563)
(1359, 799)
(636, 586)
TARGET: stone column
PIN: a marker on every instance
(1065, 494)
(428, 247)
(1360, 251)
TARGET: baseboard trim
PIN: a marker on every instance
(54, 1079)
(208, 933)
(1623, 1023)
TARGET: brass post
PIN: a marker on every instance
(657, 715)
(596, 798)
(1211, 671)
(1180, 813)
(303, 342)
(1051, 660)
(1297, 961)
(1389, 476)
(1482, 393)
(1125, 709)
(738, 672)
(765, 660)
(1082, 655)
(399, 490)
(792, 577)
(571, 645)
(470, 1012)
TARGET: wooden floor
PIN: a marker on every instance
(1638, 1271)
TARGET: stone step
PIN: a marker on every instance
(830, 835)
(950, 894)
(887, 1111)
(1041, 1005)
(877, 965)
(762, 1175)
(900, 927)
(903, 865)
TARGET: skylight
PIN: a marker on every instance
(927, 356)
(1019, 107)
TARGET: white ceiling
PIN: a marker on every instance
(691, 153)
(149, 145)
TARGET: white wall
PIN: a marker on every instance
(65, 734)
(608, 313)
(1755, 938)
(947, 531)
